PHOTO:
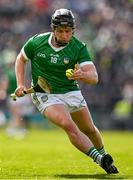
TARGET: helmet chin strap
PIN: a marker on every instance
(59, 43)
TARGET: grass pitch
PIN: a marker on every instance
(49, 155)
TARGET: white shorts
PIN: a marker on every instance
(73, 100)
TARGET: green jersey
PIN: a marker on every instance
(52, 63)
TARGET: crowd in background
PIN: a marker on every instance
(106, 26)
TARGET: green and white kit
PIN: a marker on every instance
(51, 63)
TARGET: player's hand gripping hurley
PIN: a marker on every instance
(41, 86)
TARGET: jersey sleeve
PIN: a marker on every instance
(84, 56)
(28, 49)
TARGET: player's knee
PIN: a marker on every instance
(71, 130)
(68, 126)
(90, 130)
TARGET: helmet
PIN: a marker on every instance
(63, 17)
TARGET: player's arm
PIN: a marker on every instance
(86, 70)
(24, 56)
(86, 73)
(20, 74)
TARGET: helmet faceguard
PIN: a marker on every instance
(63, 17)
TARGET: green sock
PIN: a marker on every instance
(95, 155)
(101, 151)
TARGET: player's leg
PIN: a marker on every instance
(84, 121)
(54, 109)
(61, 117)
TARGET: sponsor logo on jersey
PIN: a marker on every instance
(54, 55)
(66, 60)
(41, 55)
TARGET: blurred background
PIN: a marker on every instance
(106, 26)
